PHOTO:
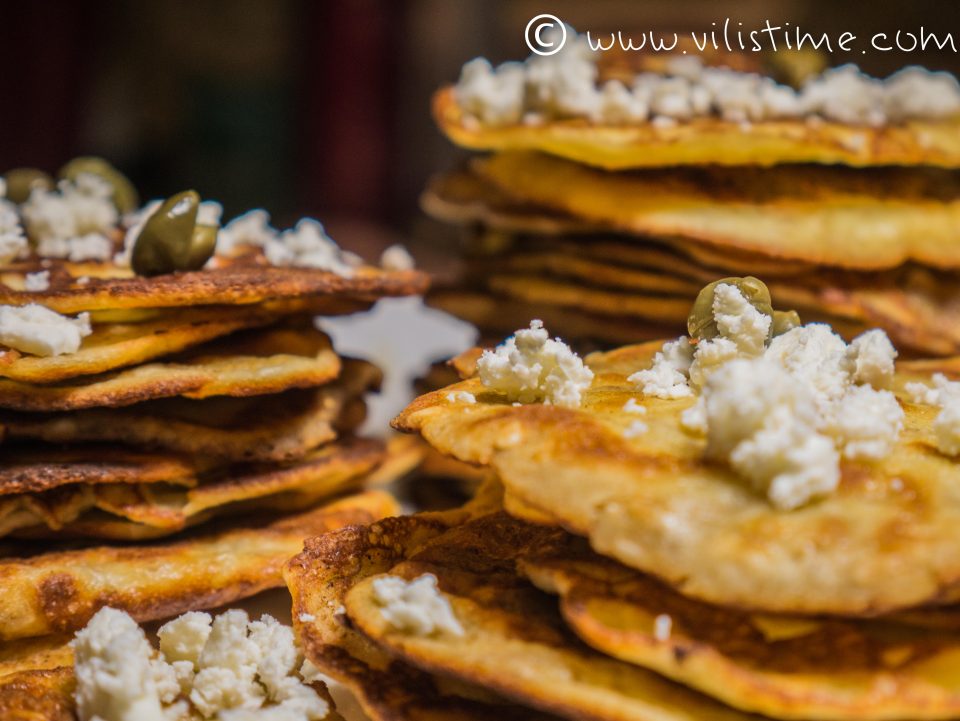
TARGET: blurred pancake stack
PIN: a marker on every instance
(174, 424)
(618, 183)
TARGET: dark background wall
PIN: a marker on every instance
(315, 107)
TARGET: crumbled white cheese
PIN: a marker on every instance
(667, 377)
(461, 397)
(494, 96)
(40, 331)
(250, 229)
(871, 357)
(662, 627)
(307, 618)
(209, 212)
(75, 209)
(119, 675)
(37, 282)
(945, 394)
(230, 669)
(815, 356)
(307, 246)
(864, 423)
(531, 367)
(709, 355)
(416, 606)
(636, 428)
(739, 321)
(91, 246)
(396, 257)
(765, 425)
(631, 406)
(565, 85)
(13, 242)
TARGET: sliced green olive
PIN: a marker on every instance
(124, 194)
(171, 240)
(22, 181)
(784, 320)
(701, 323)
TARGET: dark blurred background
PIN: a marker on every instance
(320, 107)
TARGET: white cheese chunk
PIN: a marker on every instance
(667, 377)
(915, 92)
(764, 424)
(37, 282)
(13, 242)
(416, 606)
(91, 246)
(531, 367)
(815, 356)
(636, 428)
(250, 229)
(40, 331)
(75, 209)
(739, 321)
(461, 397)
(493, 96)
(308, 246)
(397, 258)
(870, 358)
(864, 423)
(631, 406)
(224, 668)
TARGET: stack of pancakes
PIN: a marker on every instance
(201, 431)
(601, 576)
(607, 231)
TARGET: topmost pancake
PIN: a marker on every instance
(572, 104)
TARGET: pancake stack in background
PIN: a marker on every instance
(174, 425)
(621, 182)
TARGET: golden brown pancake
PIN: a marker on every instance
(388, 689)
(255, 363)
(138, 511)
(829, 216)
(515, 642)
(276, 427)
(35, 654)
(710, 141)
(231, 285)
(45, 695)
(59, 591)
(652, 502)
(782, 667)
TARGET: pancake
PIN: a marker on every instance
(710, 141)
(60, 591)
(514, 641)
(116, 345)
(44, 694)
(652, 502)
(276, 427)
(257, 363)
(498, 316)
(34, 468)
(387, 689)
(35, 654)
(786, 668)
(128, 511)
(235, 284)
(829, 216)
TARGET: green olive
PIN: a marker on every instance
(124, 194)
(784, 320)
(701, 323)
(22, 181)
(171, 240)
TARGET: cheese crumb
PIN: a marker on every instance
(251, 229)
(764, 423)
(865, 423)
(225, 668)
(636, 428)
(461, 397)
(92, 246)
(74, 220)
(308, 246)
(37, 282)
(40, 331)
(662, 627)
(531, 367)
(667, 377)
(631, 406)
(397, 258)
(416, 606)
(946, 426)
(13, 242)
(871, 357)
(307, 618)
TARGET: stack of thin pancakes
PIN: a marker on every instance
(607, 232)
(175, 460)
(602, 577)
